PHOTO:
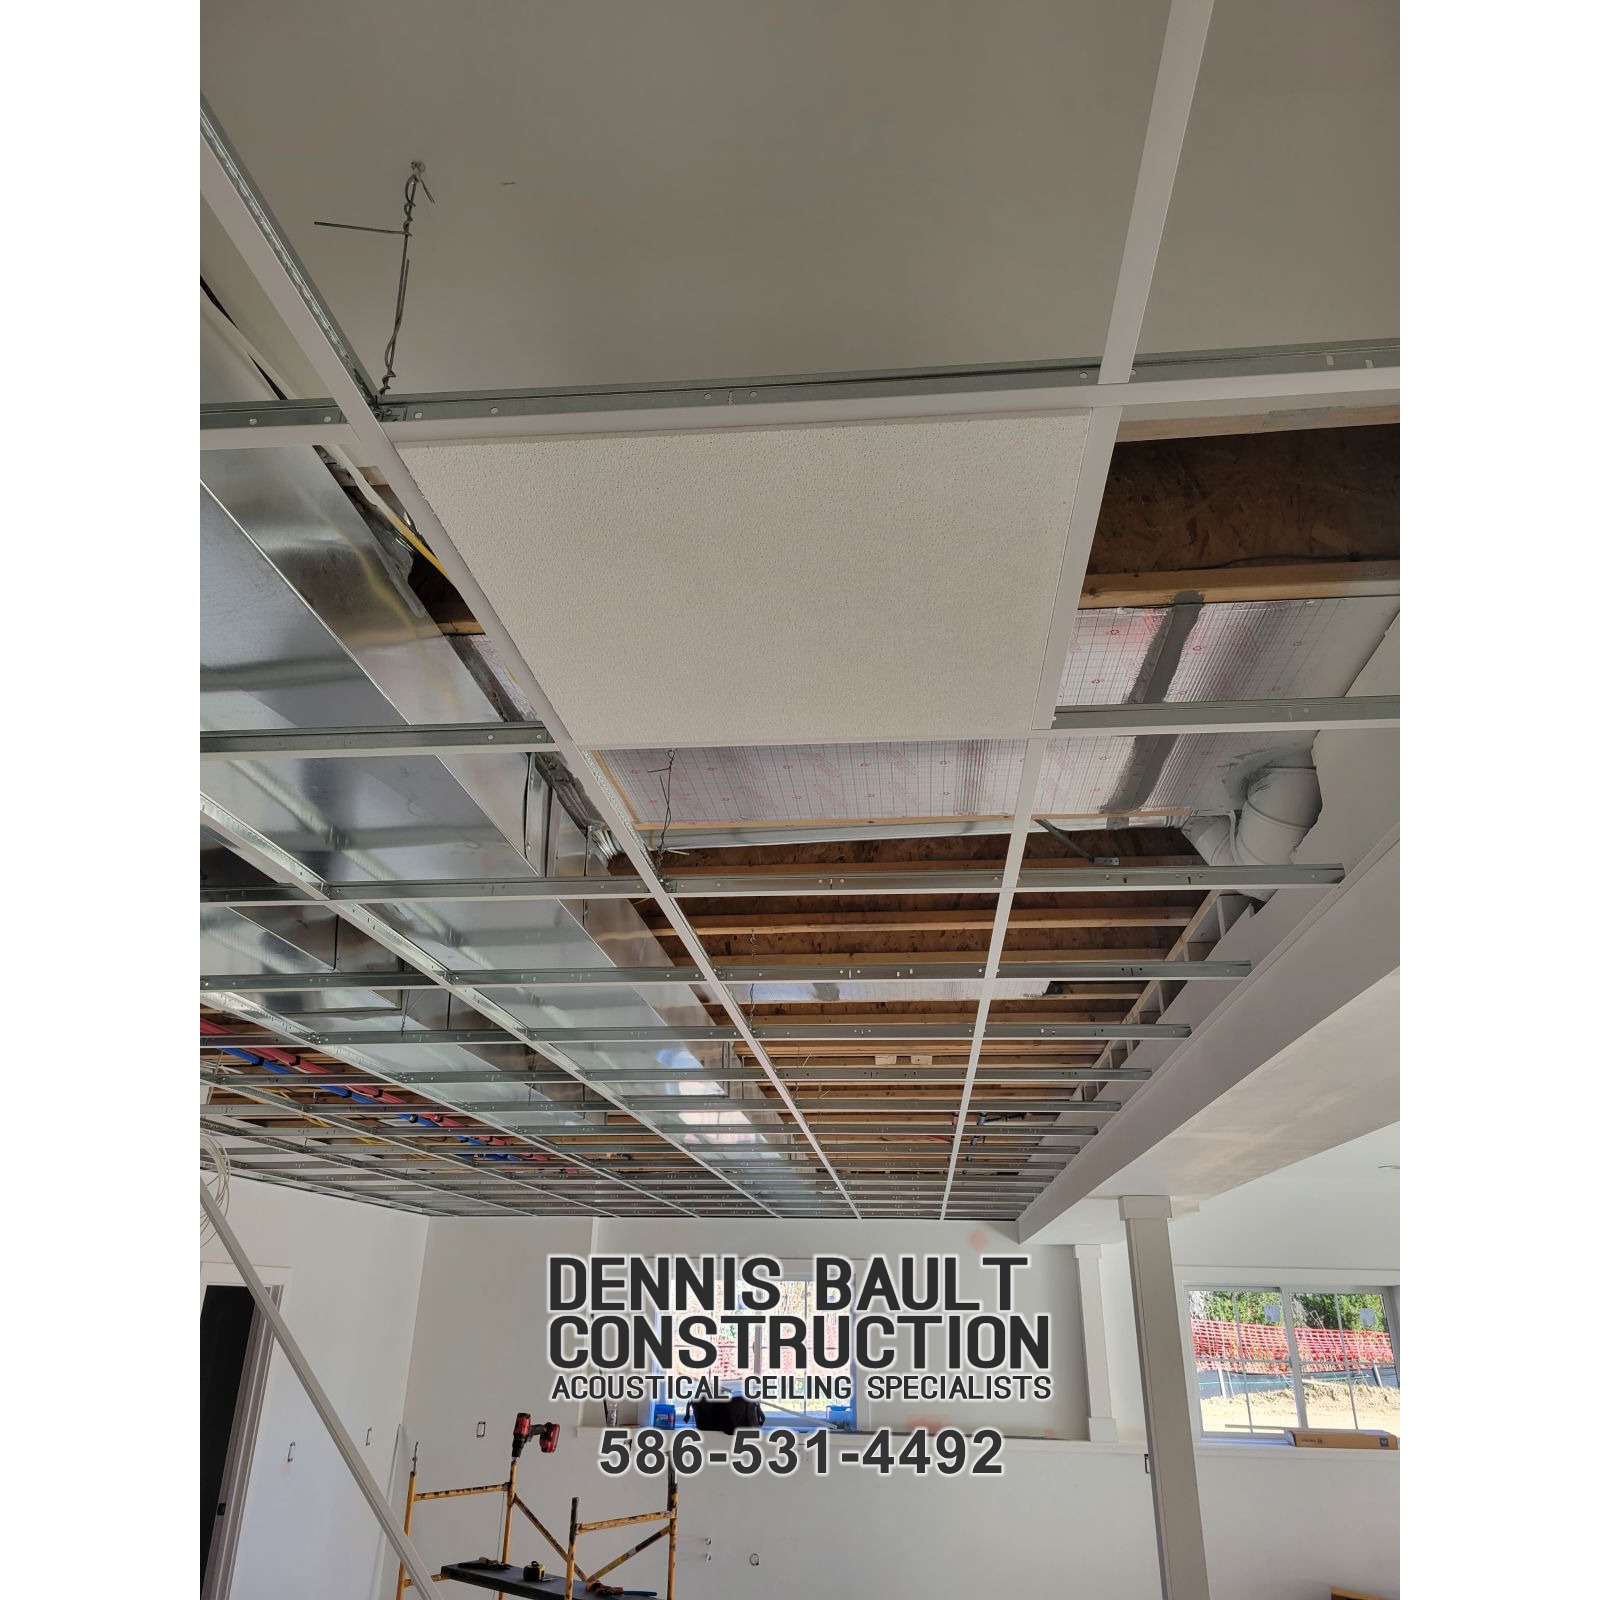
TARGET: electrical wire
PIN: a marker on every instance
(666, 817)
(221, 1168)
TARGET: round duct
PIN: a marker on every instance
(1279, 806)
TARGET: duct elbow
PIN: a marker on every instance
(1280, 805)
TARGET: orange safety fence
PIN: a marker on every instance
(1261, 1347)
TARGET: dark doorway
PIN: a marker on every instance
(227, 1316)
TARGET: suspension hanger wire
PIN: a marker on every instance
(413, 183)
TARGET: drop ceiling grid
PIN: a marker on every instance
(773, 586)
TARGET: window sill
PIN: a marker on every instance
(1285, 1447)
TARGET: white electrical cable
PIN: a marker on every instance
(220, 1170)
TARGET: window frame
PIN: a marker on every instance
(1286, 1288)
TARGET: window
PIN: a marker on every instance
(1329, 1364)
(797, 1298)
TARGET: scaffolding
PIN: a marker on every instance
(513, 1502)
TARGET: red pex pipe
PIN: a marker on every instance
(290, 1063)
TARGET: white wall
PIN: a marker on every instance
(1284, 1524)
(1066, 1515)
(350, 1275)
(479, 1354)
(1048, 1284)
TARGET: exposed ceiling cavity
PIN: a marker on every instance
(1256, 650)
(855, 927)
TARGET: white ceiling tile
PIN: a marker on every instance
(631, 193)
(865, 582)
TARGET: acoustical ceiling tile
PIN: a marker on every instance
(629, 193)
(865, 582)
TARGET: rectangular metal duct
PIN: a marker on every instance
(308, 622)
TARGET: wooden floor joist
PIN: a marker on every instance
(1333, 580)
(879, 1129)
(1141, 430)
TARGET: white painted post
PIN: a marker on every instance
(1097, 1365)
(365, 1482)
(1174, 1484)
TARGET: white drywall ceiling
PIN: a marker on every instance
(1339, 1208)
(771, 585)
(1333, 1087)
(1339, 1080)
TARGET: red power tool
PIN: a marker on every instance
(525, 1428)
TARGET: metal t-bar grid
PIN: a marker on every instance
(249, 224)
(322, 1179)
(707, 1033)
(261, 851)
(1285, 377)
(1176, 75)
(1100, 722)
(1064, 879)
(426, 1168)
(365, 1130)
(992, 1074)
(1044, 971)
(434, 1159)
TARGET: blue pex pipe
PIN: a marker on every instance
(367, 1099)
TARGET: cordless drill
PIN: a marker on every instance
(525, 1428)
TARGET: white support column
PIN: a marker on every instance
(1174, 1485)
(1096, 1363)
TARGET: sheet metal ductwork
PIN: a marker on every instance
(1279, 805)
(308, 621)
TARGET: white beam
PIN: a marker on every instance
(1163, 1380)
